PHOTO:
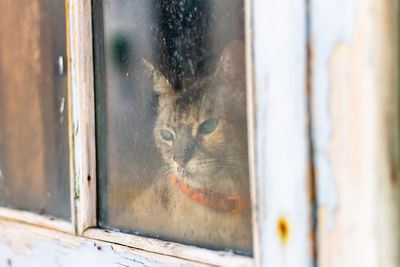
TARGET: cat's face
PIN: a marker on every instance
(201, 131)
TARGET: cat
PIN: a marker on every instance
(202, 196)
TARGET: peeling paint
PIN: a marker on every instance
(27, 245)
(338, 27)
(356, 123)
(53, 253)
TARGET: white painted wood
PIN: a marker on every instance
(218, 258)
(37, 219)
(356, 122)
(25, 245)
(279, 117)
(82, 122)
(251, 130)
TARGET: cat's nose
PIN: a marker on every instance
(180, 161)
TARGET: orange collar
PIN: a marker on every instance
(214, 200)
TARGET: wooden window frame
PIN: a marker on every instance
(290, 165)
(83, 224)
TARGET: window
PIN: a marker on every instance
(173, 162)
(106, 105)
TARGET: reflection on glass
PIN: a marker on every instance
(34, 168)
(172, 136)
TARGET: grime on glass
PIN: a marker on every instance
(171, 122)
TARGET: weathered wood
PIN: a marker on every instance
(26, 245)
(32, 137)
(279, 143)
(356, 139)
(82, 127)
(37, 219)
(219, 258)
(251, 131)
(22, 127)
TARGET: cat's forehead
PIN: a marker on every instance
(196, 95)
(194, 103)
(188, 112)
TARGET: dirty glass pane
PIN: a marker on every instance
(34, 168)
(171, 121)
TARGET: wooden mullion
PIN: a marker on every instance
(279, 142)
(82, 126)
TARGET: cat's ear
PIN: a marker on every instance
(160, 84)
(231, 67)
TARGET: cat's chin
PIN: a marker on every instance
(195, 180)
(218, 180)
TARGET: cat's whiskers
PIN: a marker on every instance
(166, 169)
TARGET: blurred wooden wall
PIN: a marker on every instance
(26, 100)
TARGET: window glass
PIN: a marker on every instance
(171, 121)
(34, 168)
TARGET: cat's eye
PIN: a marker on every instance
(167, 135)
(208, 126)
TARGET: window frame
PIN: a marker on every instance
(82, 136)
(288, 158)
(83, 150)
(83, 109)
